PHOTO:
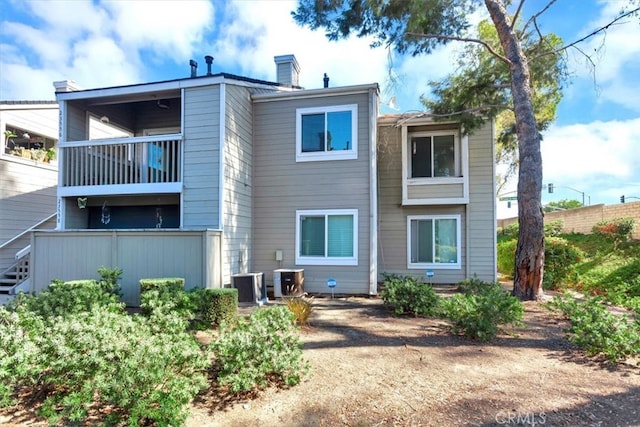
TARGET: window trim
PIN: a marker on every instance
(434, 265)
(351, 154)
(326, 260)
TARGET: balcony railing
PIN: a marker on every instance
(119, 161)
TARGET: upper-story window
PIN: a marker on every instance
(26, 143)
(433, 155)
(327, 133)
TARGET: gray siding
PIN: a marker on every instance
(27, 196)
(482, 206)
(478, 218)
(238, 178)
(201, 158)
(282, 186)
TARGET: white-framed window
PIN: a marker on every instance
(327, 133)
(434, 154)
(433, 241)
(327, 237)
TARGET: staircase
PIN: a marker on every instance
(14, 278)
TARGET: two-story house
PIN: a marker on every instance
(217, 175)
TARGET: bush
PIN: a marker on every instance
(511, 230)
(301, 309)
(165, 295)
(479, 314)
(264, 347)
(476, 286)
(109, 279)
(215, 306)
(67, 299)
(101, 359)
(406, 295)
(560, 259)
(599, 332)
(553, 228)
(618, 229)
(506, 252)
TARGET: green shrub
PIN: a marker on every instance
(300, 307)
(479, 315)
(214, 306)
(617, 229)
(506, 252)
(553, 228)
(476, 286)
(109, 279)
(560, 259)
(166, 284)
(598, 331)
(264, 347)
(67, 299)
(165, 295)
(559, 265)
(102, 359)
(406, 295)
(511, 230)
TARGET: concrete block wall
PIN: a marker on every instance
(582, 220)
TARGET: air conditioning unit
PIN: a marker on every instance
(251, 287)
(287, 282)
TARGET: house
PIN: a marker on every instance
(214, 176)
(28, 182)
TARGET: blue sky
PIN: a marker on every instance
(592, 148)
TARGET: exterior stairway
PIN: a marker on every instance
(12, 278)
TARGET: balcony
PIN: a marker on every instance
(125, 165)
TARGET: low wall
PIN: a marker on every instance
(582, 220)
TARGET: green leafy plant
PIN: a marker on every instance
(618, 229)
(598, 331)
(506, 251)
(406, 295)
(109, 278)
(300, 307)
(479, 314)
(560, 260)
(214, 306)
(265, 347)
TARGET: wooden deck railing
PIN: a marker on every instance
(137, 160)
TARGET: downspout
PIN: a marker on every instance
(373, 199)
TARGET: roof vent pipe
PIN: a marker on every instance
(209, 60)
(326, 80)
(194, 68)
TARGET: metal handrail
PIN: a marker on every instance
(8, 242)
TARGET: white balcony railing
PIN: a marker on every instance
(137, 160)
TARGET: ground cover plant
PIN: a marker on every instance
(76, 354)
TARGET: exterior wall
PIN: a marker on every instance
(27, 188)
(238, 178)
(282, 186)
(201, 170)
(74, 255)
(477, 218)
(481, 210)
(582, 220)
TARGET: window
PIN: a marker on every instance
(434, 241)
(327, 237)
(433, 155)
(327, 133)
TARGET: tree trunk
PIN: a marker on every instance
(529, 265)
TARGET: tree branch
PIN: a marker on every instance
(535, 16)
(517, 14)
(463, 39)
(455, 113)
(591, 34)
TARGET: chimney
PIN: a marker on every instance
(194, 68)
(326, 80)
(209, 60)
(66, 86)
(287, 70)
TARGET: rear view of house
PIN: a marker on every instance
(213, 176)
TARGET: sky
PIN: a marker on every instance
(590, 153)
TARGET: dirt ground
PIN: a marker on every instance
(369, 368)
